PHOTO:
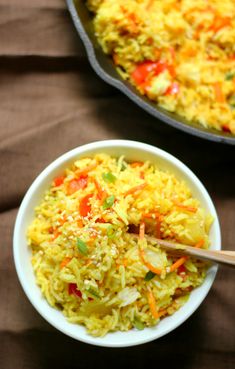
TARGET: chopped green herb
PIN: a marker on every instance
(230, 76)
(111, 231)
(109, 177)
(93, 292)
(150, 275)
(138, 324)
(124, 166)
(108, 202)
(232, 102)
(82, 247)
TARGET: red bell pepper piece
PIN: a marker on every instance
(226, 128)
(84, 206)
(73, 290)
(77, 184)
(58, 181)
(174, 89)
(219, 95)
(142, 71)
(181, 269)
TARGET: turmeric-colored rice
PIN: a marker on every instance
(91, 253)
(179, 53)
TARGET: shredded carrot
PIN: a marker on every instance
(149, 41)
(102, 194)
(88, 262)
(219, 95)
(115, 59)
(142, 174)
(182, 260)
(62, 220)
(189, 51)
(158, 218)
(135, 189)
(220, 23)
(83, 171)
(200, 244)
(157, 53)
(147, 264)
(80, 223)
(197, 32)
(178, 263)
(64, 262)
(188, 208)
(142, 254)
(136, 164)
(133, 22)
(125, 262)
(149, 5)
(55, 234)
(142, 230)
(152, 304)
(172, 53)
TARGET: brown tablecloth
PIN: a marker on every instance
(50, 102)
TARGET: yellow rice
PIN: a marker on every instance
(195, 37)
(109, 287)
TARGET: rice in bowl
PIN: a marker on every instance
(87, 258)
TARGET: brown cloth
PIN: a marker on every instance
(50, 102)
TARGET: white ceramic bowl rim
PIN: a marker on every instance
(24, 268)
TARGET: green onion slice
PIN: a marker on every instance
(82, 247)
(138, 324)
(124, 166)
(150, 275)
(108, 202)
(93, 292)
(230, 76)
(111, 232)
(109, 177)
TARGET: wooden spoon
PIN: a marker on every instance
(220, 257)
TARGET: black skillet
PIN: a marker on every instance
(104, 67)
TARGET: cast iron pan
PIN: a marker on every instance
(104, 67)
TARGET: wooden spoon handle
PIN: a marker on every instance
(226, 252)
(221, 257)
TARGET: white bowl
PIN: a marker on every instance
(133, 151)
